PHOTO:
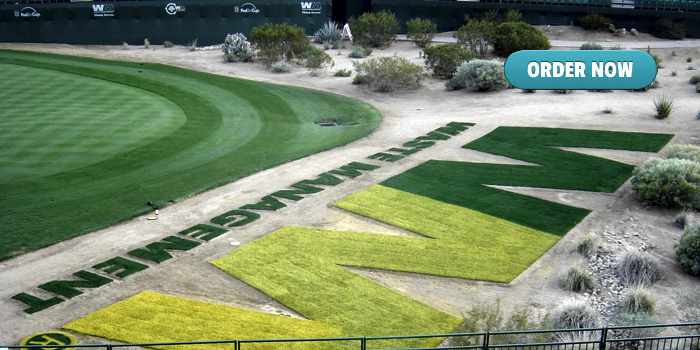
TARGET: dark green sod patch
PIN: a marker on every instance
(463, 184)
(233, 128)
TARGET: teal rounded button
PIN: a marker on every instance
(580, 69)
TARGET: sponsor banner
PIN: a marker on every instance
(172, 8)
(103, 10)
(310, 8)
(27, 12)
(246, 8)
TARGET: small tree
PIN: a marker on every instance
(511, 37)
(316, 59)
(374, 29)
(237, 48)
(386, 74)
(278, 41)
(421, 31)
(479, 75)
(593, 21)
(477, 35)
(444, 59)
(668, 29)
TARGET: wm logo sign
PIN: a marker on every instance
(101, 10)
(310, 7)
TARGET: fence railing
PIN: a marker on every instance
(605, 338)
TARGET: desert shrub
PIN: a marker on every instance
(236, 47)
(358, 52)
(616, 47)
(593, 21)
(421, 31)
(575, 315)
(490, 318)
(591, 46)
(167, 44)
(668, 29)
(695, 79)
(359, 79)
(667, 182)
(688, 301)
(638, 319)
(664, 107)
(578, 280)
(328, 33)
(281, 67)
(444, 59)
(476, 35)
(689, 152)
(511, 37)
(479, 75)
(146, 43)
(637, 268)
(343, 73)
(587, 246)
(386, 74)
(315, 59)
(125, 46)
(638, 300)
(278, 41)
(682, 219)
(374, 29)
(688, 250)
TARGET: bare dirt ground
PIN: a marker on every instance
(618, 221)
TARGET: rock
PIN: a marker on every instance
(620, 32)
(611, 28)
(634, 32)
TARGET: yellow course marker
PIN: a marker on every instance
(49, 338)
(153, 217)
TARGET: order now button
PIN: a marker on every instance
(580, 69)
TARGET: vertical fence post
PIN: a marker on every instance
(236, 345)
(486, 341)
(603, 338)
(109, 346)
(363, 343)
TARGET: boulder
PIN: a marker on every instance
(611, 28)
(634, 32)
(620, 32)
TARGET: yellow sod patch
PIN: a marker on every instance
(150, 317)
(494, 249)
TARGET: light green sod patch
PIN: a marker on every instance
(86, 143)
(152, 318)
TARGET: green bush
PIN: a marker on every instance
(479, 75)
(689, 152)
(593, 21)
(315, 59)
(664, 107)
(237, 48)
(358, 52)
(638, 300)
(167, 44)
(591, 46)
(688, 250)
(638, 269)
(278, 41)
(695, 79)
(359, 79)
(444, 59)
(667, 182)
(668, 29)
(578, 280)
(511, 37)
(476, 35)
(386, 74)
(374, 29)
(281, 67)
(343, 73)
(328, 33)
(421, 31)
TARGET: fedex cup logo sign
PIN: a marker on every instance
(246, 8)
(103, 10)
(27, 12)
(310, 8)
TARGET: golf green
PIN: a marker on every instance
(86, 143)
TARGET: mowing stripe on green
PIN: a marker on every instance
(463, 184)
(233, 128)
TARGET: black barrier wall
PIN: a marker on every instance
(449, 15)
(112, 23)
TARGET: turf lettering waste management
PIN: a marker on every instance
(471, 231)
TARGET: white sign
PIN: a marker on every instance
(103, 10)
(310, 8)
(173, 8)
(246, 8)
(27, 12)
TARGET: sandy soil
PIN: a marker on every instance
(618, 220)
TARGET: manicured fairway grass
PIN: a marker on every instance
(87, 143)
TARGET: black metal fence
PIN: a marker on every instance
(607, 338)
